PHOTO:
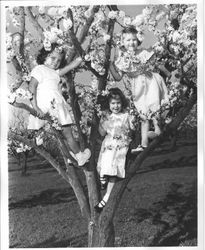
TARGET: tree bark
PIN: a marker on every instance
(101, 233)
(24, 163)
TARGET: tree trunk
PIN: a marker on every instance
(24, 163)
(101, 233)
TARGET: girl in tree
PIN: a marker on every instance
(115, 125)
(148, 88)
(47, 97)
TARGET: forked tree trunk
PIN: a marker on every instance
(101, 233)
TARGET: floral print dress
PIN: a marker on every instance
(112, 157)
(148, 92)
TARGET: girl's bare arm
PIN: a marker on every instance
(33, 89)
(117, 75)
(101, 130)
(74, 64)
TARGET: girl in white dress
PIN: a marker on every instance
(47, 97)
(148, 88)
(115, 125)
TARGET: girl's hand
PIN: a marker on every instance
(39, 112)
(132, 74)
(148, 74)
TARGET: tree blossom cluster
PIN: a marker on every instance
(176, 44)
(18, 147)
(19, 93)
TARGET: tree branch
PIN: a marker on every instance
(33, 20)
(89, 21)
(22, 30)
(70, 176)
(81, 52)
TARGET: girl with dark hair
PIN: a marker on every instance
(115, 125)
(47, 98)
(148, 88)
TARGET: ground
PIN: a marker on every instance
(158, 208)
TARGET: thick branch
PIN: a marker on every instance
(89, 21)
(81, 52)
(75, 108)
(70, 176)
(103, 80)
(33, 20)
(22, 30)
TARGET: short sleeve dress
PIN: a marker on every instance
(49, 98)
(112, 157)
(153, 89)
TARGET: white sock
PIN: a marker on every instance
(106, 197)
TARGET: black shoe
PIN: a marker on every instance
(140, 148)
(103, 183)
(99, 207)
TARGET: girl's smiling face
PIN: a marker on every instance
(115, 105)
(53, 60)
(130, 41)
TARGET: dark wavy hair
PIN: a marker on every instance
(116, 93)
(131, 30)
(42, 55)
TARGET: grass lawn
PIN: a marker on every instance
(159, 207)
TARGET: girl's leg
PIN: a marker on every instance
(81, 157)
(144, 133)
(157, 129)
(110, 186)
(74, 146)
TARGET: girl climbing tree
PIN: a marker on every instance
(90, 32)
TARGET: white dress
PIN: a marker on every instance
(152, 89)
(115, 145)
(49, 98)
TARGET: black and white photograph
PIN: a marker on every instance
(102, 127)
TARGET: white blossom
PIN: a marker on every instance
(127, 21)
(8, 40)
(121, 14)
(138, 21)
(47, 45)
(100, 16)
(112, 14)
(87, 57)
(41, 10)
(12, 98)
(176, 36)
(9, 55)
(63, 11)
(140, 37)
(67, 23)
(26, 78)
(106, 37)
(160, 16)
(15, 22)
(52, 11)
(87, 13)
(19, 150)
(39, 140)
(26, 40)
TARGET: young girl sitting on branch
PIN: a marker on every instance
(148, 88)
(44, 86)
(116, 126)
